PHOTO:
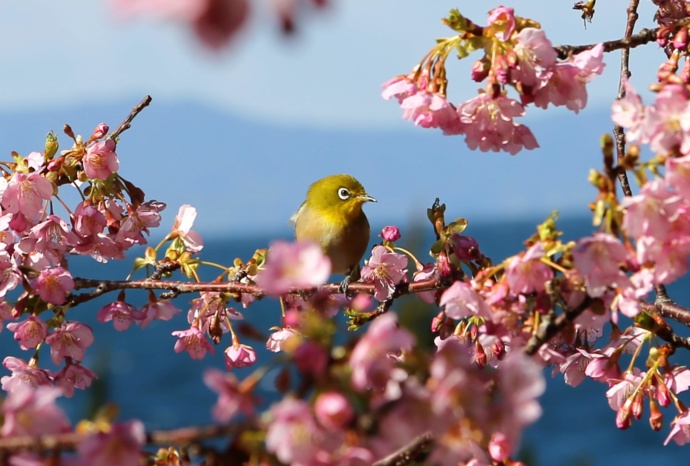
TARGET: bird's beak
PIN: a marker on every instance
(366, 198)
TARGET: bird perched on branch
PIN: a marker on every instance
(332, 216)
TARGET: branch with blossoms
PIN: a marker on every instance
(581, 307)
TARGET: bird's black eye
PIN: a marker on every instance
(344, 193)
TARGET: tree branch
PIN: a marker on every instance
(552, 327)
(127, 123)
(104, 286)
(408, 453)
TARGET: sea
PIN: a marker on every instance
(140, 373)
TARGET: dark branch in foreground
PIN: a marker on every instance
(409, 452)
(551, 328)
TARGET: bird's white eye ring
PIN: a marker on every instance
(344, 194)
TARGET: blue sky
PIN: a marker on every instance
(78, 61)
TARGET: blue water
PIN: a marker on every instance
(140, 372)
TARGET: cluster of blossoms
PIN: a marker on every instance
(518, 55)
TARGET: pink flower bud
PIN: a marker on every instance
(240, 356)
(100, 131)
(466, 248)
(623, 417)
(499, 447)
(637, 405)
(656, 418)
(333, 410)
(390, 233)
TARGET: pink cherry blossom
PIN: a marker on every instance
(51, 237)
(489, 124)
(678, 175)
(400, 87)
(26, 192)
(53, 285)
(428, 271)
(667, 123)
(630, 114)
(69, 341)
(621, 391)
(311, 358)
(138, 222)
(23, 374)
(526, 273)
(598, 260)
(680, 429)
(390, 233)
(101, 160)
(670, 257)
(333, 410)
(522, 382)
(121, 445)
(232, 400)
(536, 58)
(32, 411)
(182, 228)
(461, 301)
(29, 333)
(567, 84)
(194, 342)
(158, 310)
(371, 365)
(292, 434)
(88, 220)
(121, 313)
(10, 277)
(74, 376)
(431, 110)
(277, 340)
(502, 19)
(292, 266)
(210, 310)
(239, 356)
(652, 211)
(385, 270)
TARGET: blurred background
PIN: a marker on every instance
(241, 132)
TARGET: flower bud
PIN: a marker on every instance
(656, 418)
(623, 417)
(333, 410)
(51, 146)
(638, 405)
(390, 233)
(466, 248)
(100, 131)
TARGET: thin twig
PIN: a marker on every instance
(618, 131)
(643, 37)
(667, 307)
(127, 123)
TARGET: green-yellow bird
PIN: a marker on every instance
(332, 216)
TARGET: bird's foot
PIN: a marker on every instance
(344, 284)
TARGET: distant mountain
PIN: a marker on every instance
(250, 176)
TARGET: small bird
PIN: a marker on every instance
(332, 216)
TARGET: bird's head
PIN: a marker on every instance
(340, 197)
